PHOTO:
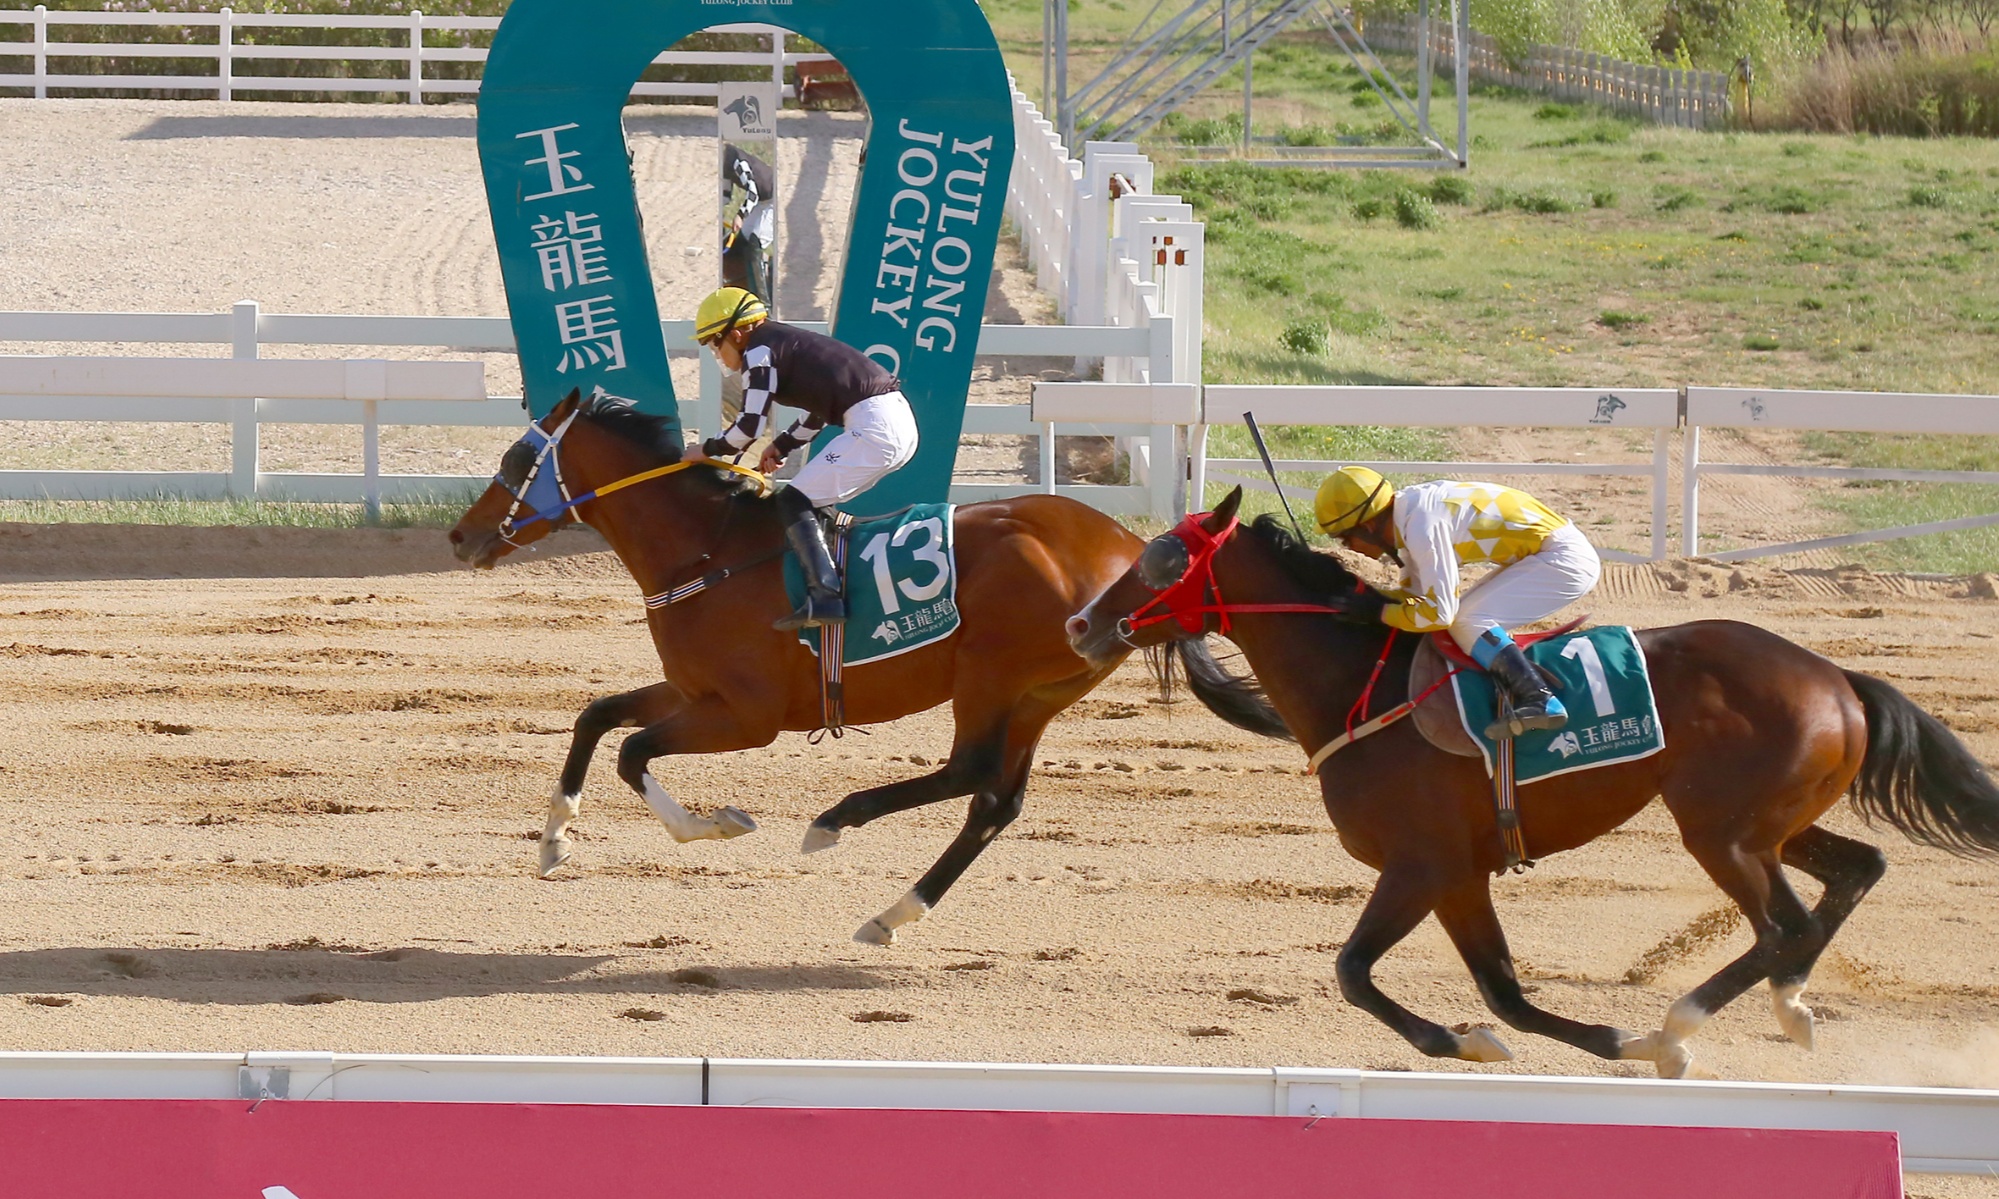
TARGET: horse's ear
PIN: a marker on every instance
(1224, 511)
(569, 402)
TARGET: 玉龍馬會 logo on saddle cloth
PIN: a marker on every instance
(1602, 681)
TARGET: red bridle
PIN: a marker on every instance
(1188, 599)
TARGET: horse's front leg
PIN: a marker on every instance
(1402, 897)
(1468, 918)
(707, 725)
(633, 708)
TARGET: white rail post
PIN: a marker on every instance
(1690, 490)
(1662, 452)
(41, 51)
(371, 462)
(243, 433)
(416, 56)
(225, 61)
(777, 65)
(708, 409)
(1048, 457)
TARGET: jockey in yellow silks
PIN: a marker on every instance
(1432, 529)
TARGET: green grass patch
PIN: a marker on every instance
(440, 513)
(1611, 318)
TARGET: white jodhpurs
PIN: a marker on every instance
(1539, 585)
(879, 437)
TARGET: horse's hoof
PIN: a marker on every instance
(1632, 1047)
(1674, 1060)
(554, 854)
(732, 822)
(1794, 1016)
(874, 932)
(818, 837)
(1478, 1044)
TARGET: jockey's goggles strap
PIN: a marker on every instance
(1339, 522)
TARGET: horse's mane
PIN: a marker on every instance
(656, 435)
(1312, 570)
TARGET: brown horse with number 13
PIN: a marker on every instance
(1762, 737)
(733, 682)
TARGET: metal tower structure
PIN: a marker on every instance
(1174, 54)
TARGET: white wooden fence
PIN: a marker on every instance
(1832, 411)
(227, 83)
(1657, 409)
(1941, 1130)
(1661, 410)
(1694, 99)
(246, 391)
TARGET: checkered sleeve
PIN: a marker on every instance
(759, 384)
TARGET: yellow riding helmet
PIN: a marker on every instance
(724, 309)
(1350, 496)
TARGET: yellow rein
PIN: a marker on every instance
(763, 483)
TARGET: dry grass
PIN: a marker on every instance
(1939, 85)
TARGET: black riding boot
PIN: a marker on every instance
(1534, 704)
(807, 538)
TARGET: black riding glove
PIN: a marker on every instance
(1362, 605)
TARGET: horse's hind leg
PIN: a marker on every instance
(960, 775)
(1400, 901)
(643, 706)
(1784, 935)
(1473, 926)
(996, 802)
(1848, 869)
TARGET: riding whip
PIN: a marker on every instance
(1256, 435)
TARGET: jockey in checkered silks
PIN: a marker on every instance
(833, 384)
(1544, 563)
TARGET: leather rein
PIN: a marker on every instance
(550, 457)
(1196, 595)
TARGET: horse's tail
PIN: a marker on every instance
(1920, 778)
(1238, 699)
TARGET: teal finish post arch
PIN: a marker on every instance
(926, 214)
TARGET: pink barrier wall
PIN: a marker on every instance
(159, 1149)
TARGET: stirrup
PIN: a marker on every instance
(817, 611)
(1547, 715)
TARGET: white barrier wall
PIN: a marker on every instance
(1941, 1130)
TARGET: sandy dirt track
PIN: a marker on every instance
(300, 812)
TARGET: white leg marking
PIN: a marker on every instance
(1670, 1056)
(881, 930)
(555, 844)
(1481, 1045)
(1794, 1016)
(683, 825)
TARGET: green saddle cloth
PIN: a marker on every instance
(900, 579)
(1613, 716)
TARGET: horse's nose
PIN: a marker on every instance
(1076, 628)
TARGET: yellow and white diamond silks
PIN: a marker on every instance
(1443, 525)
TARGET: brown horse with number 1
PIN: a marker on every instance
(1761, 738)
(733, 682)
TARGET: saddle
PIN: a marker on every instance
(1437, 716)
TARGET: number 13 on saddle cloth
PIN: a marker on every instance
(900, 576)
(1601, 677)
